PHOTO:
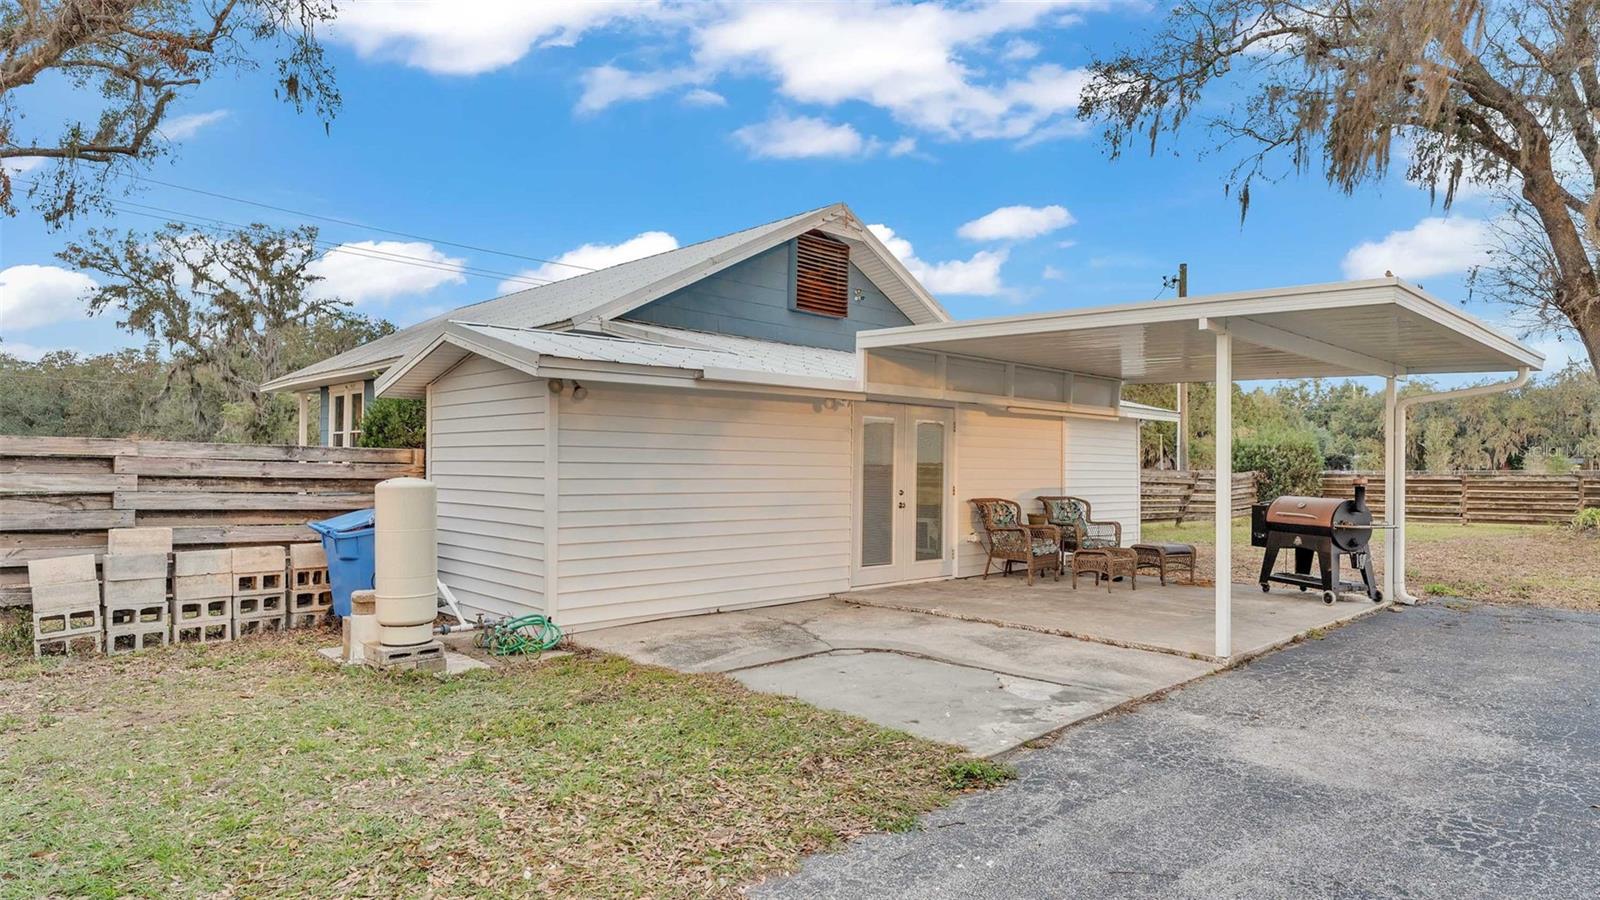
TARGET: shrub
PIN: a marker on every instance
(1587, 520)
(1338, 462)
(392, 422)
(1288, 462)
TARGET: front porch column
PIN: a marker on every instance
(1393, 487)
(303, 402)
(1224, 494)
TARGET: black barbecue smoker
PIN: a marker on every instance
(1325, 527)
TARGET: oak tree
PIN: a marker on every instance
(1494, 92)
(131, 60)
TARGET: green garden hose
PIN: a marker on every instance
(524, 635)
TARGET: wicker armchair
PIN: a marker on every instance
(1011, 540)
(1079, 530)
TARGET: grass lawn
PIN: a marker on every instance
(259, 769)
(1541, 565)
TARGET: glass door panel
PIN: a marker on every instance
(877, 492)
(930, 490)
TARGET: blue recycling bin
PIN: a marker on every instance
(348, 541)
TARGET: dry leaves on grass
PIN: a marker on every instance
(259, 769)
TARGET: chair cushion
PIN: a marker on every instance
(1167, 547)
(1002, 515)
(1063, 512)
(1044, 546)
(1090, 543)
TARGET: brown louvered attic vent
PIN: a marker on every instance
(822, 275)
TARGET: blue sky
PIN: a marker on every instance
(539, 129)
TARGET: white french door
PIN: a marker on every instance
(902, 515)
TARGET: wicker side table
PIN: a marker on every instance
(1158, 555)
(1106, 563)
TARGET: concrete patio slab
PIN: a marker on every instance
(1175, 619)
(978, 709)
(984, 687)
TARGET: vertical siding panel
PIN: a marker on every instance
(675, 503)
(487, 441)
(1102, 466)
(1001, 455)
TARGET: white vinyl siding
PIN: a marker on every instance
(675, 502)
(1103, 468)
(487, 455)
(1001, 455)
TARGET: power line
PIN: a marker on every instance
(130, 207)
(353, 224)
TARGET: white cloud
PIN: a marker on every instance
(31, 296)
(448, 37)
(1018, 49)
(903, 147)
(703, 97)
(592, 256)
(379, 271)
(801, 137)
(181, 128)
(16, 165)
(28, 352)
(919, 62)
(606, 85)
(1016, 223)
(979, 276)
(1435, 246)
(1051, 273)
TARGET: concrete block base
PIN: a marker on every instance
(312, 619)
(211, 631)
(142, 616)
(61, 630)
(243, 627)
(260, 605)
(137, 637)
(203, 611)
(428, 657)
(67, 645)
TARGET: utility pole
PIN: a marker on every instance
(1183, 389)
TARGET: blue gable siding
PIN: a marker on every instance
(755, 299)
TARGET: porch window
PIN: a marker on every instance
(344, 419)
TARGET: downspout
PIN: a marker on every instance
(1396, 487)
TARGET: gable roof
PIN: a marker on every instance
(537, 350)
(595, 297)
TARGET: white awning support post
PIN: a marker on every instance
(1395, 490)
(1223, 490)
(1393, 448)
(302, 428)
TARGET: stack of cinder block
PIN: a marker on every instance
(310, 594)
(202, 596)
(135, 588)
(66, 605)
(260, 598)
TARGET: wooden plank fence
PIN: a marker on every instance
(58, 496)
(1468, 497)
(1180, 496)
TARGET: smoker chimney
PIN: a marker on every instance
(1361, 493)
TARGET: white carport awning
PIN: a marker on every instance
(1379, 327)
(1383, 327)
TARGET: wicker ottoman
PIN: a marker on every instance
(1158, 555)
(1106, 563)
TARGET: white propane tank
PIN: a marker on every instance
(405, 561)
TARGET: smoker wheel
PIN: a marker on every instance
(1377, 596)
(1265, 587)
(1328, 597)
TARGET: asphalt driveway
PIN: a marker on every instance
(1440, 751)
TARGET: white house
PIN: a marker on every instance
(696, 431)
(784, 413)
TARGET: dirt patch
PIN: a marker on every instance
(1535, 565)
